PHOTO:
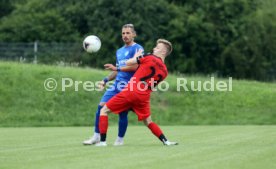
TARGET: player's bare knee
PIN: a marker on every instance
(102, 103)
(104, 111)
(147, 121)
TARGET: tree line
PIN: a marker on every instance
(220, 37)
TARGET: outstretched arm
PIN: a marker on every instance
(131, 64)
(123, 69)
(134, 60)
(110, 77)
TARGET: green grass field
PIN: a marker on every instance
(204, 147)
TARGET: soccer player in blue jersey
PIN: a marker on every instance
(122, 75)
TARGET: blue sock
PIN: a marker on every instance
(123, 122)
(97, 119)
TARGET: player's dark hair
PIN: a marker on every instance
(130, 25)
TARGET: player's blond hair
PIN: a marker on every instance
(167, 44)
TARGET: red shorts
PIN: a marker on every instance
(126, 100)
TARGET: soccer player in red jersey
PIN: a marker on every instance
(136, 95)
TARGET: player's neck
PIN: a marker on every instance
(130, 43)
(161, 57)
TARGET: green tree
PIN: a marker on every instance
(253, 55)
(205, 29)
(226, 37)
(6, 7)
(29, 22)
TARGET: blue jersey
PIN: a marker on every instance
(122, 55)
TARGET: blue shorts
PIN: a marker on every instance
(113, 90)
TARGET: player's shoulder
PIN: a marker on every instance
(150, 55)
(145, 56)
(137, 46)
(121, 48)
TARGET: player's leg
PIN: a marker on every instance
(123, 119)
(116, 104)
(122, 128)
(97, 116)
(103, 126)
(142, 110)
(155, 129)
(96, 136)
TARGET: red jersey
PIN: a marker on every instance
(150, 72)
(136, 95)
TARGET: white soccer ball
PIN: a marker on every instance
(92, 44)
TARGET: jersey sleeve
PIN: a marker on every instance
(139, 47)
(141, 59)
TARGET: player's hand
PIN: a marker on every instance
(109, 66)
(101, 85)
(138, 53)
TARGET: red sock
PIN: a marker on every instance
(155, 129)
(103, 124)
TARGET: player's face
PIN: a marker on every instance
(159, 49)
(128, 35)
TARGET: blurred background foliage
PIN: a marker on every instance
(220, 37)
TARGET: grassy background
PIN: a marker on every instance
(25, 102)
(204, 147)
